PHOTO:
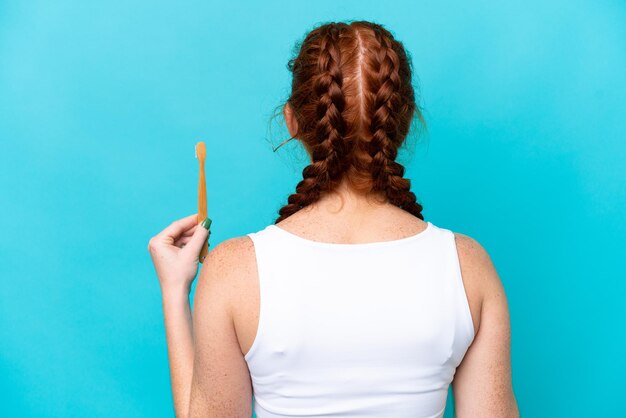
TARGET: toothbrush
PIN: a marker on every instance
(202, 197)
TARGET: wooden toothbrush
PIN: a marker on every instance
(202, 196)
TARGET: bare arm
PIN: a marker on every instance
(179, 335)
(483, 381)
(174, 252)
(221, 386)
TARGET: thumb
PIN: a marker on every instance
(199, 237)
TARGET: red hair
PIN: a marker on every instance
(353, 101)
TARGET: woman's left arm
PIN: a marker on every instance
(221, 386)
(175, 252)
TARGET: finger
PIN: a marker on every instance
(177, 228)
(190, 231)
(186, 237)
(198, 239)
(182, 241)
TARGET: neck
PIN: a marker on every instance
(345, 200)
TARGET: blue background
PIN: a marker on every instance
(101, 104)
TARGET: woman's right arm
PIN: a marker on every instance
(175, 254)
(482, 384)
(179, 338)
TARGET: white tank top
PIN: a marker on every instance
(357, 330)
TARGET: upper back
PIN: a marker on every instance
(355, 327)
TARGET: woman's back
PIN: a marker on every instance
(374, 326)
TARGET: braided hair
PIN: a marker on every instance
(353, 102)
(390, 111)
(326, 103)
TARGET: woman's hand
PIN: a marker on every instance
(175, 252)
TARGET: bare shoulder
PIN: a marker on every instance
(475, 259)
(231, 256)
(231, 250)
(477, 271)
(230, 265)
(480, 276)
(477, 265)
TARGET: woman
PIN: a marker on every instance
(350, 304)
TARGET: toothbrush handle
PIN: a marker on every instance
(202, 207)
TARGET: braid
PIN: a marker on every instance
(329, 150)
(386, 135)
